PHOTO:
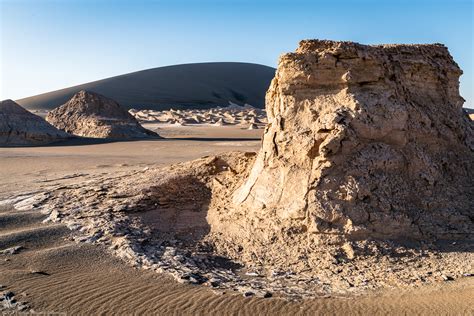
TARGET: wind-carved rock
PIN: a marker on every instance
(19, 127)
(363, 142)
(90, 114)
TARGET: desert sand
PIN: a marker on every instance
(350, 194)
(53, 273)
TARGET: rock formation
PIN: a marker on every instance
(19, 127)
(364, 143)
(89, 114)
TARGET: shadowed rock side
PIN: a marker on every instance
(89, 114)
(363, 142)
(18, 127)
(200, 85)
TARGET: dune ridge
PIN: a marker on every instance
(200, 85)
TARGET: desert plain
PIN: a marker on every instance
(351, 193)
(54, 274)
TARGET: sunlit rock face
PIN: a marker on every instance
(364, 141)
(90, 114)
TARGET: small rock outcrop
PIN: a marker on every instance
(90, 114)
(19, 127)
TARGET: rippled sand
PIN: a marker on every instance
(54, 274)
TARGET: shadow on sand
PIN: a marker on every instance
(83, 141)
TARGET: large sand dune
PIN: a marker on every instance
(200, 85)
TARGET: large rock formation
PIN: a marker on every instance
(363, 142)
(19, 127)
(89, 114)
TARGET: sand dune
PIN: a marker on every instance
(200, 85)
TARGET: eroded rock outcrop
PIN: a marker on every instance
(90, 114)
(363, 142)
(19, 127)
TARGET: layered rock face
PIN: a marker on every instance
(89, 114)
(362, 142)
(19, 127)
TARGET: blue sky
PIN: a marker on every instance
(48, 45)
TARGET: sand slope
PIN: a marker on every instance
(189, 85)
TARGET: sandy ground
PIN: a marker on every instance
(54, 274)
(28, 168)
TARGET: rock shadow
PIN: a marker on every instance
(177, 209)
(176, 214)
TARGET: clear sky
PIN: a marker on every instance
(48, 45)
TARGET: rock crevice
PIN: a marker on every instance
(364, 180)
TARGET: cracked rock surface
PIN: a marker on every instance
(363, 142)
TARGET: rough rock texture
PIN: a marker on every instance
(89, 114)
(19, 127)
(162, 219)
(364, 144)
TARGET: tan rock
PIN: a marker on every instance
(366, 165)
(252, 126)
(363, 142)
(20, 127)
(89, 114)
(220, 122)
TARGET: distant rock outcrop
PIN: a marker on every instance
(89, 114)
(19, 127)
(470, 113)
